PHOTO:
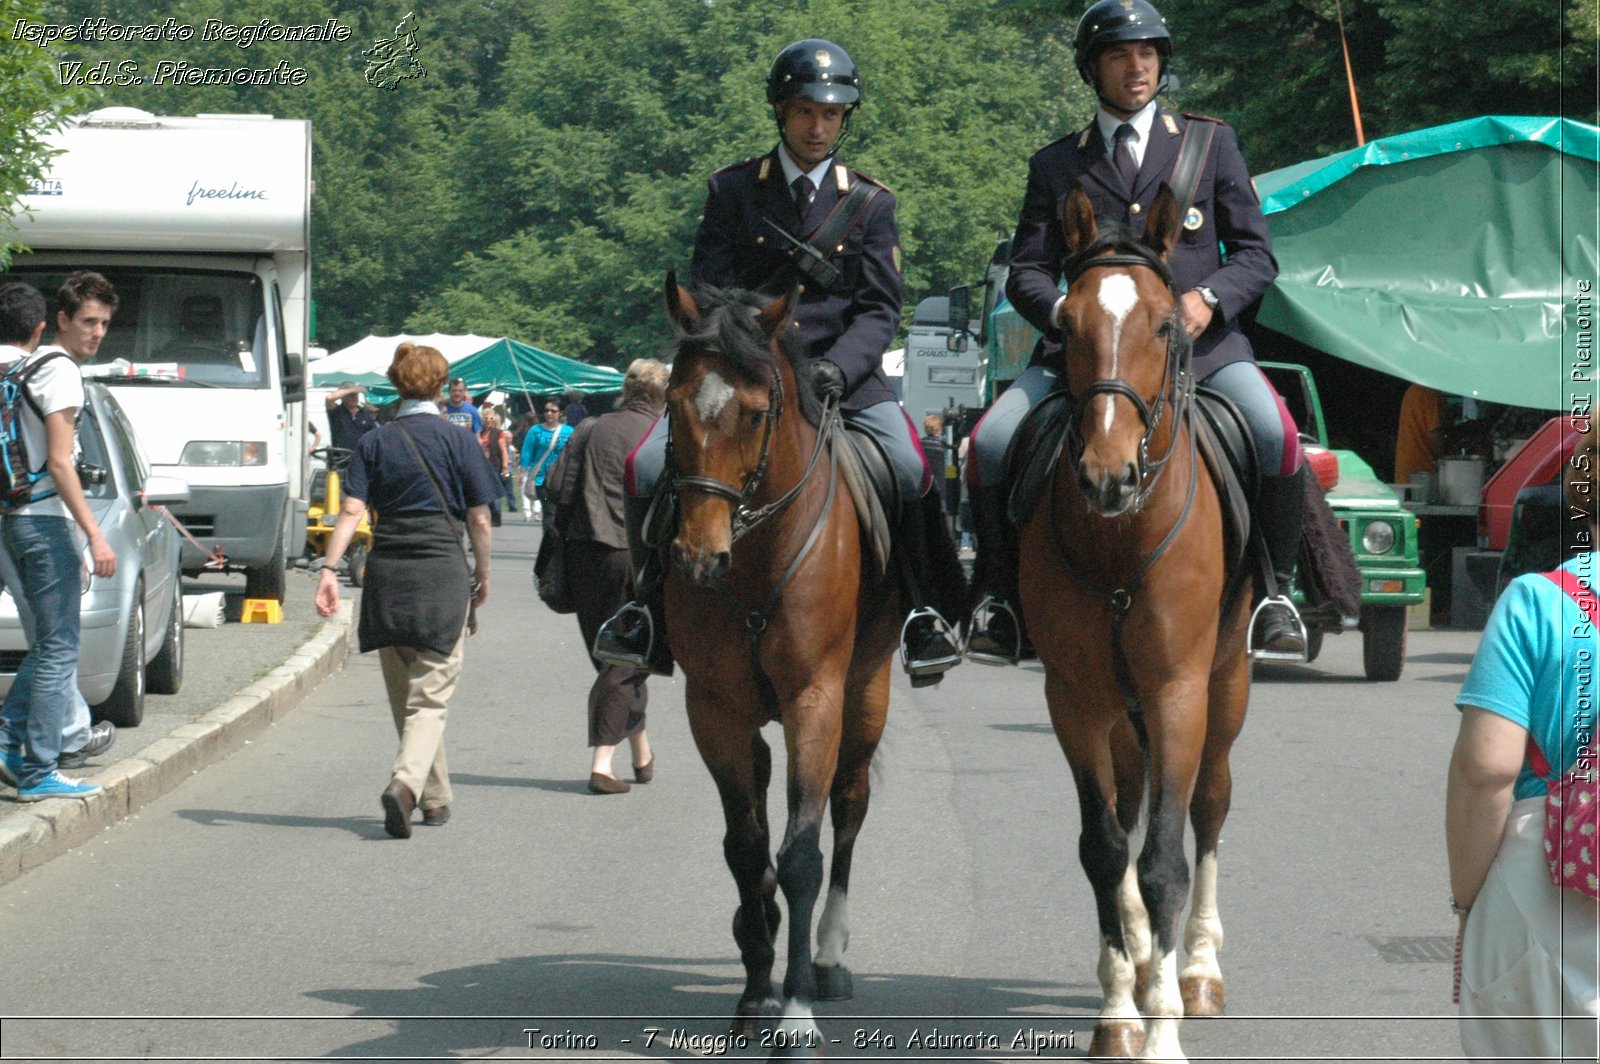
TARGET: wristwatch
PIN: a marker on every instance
(1209, 296)
(1459, 910)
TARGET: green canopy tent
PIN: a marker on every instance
(1450, 256)
(506, 364)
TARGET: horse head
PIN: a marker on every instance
(724, 400)
(1122, 339)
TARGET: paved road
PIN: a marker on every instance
(263, 903)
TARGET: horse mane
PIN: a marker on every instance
(728, 327)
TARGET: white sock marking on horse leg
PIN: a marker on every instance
(1118, 296)
(833, 930)
(1164, 1008)
(713, 395)
(1116, 984)
(799, 1025)
(1135, 920)
(1202, 935)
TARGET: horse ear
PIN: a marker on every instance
(1161, 229)
(1077, 221)
(681, 306)
(775, 315)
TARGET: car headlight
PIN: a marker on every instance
(1378, 537)
(224, 453)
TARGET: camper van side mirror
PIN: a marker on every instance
(960, 317)
(294, 378)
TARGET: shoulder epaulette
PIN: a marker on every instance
(869, 180)
(731, 167)
(1203, 118)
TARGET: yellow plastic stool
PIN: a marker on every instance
(261, 611)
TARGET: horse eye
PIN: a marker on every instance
(755, 419)
(1165, 330)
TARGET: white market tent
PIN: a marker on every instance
(375, 353)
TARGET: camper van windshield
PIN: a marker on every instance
(198, 327)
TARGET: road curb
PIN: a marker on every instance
(52, 827)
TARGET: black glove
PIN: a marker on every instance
(827, 380)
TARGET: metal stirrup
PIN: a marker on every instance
(983, 619)
(627, 661)
(932, 665)
(1263, 654)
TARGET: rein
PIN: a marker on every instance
(745, 519)
(1176, 379)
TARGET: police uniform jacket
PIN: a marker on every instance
(1226, 212)
(850, 325)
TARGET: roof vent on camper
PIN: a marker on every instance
(121, 118)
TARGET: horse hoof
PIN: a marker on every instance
(752, 1018)
(833, 982)
(1116, 1041)
(1202, 995)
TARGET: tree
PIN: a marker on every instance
(33, 104)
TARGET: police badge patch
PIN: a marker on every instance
(1194, 219)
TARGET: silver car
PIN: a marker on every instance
(133, 622)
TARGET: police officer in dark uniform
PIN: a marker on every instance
(755, 214)
(1120, 160)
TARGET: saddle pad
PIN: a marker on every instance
(865, 469)
(1230, 455)
(1035, 447)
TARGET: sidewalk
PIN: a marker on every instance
(234, 689)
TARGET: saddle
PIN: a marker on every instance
(865, 469)
(1224, 439)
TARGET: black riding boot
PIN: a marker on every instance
(994, 633)
(1280, 507)
(928, 645)
(636, 636)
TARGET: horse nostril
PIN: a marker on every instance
(1130, 476)
(721, 564)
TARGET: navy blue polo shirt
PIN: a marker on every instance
(384, 474)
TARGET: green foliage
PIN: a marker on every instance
(32, 104)
(550, 167)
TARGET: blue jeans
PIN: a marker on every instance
(76, 729)
(45, 550)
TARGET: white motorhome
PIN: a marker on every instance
(203, 225)
(939, 376)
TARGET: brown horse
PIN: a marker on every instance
(1141, 633)
(775, 614)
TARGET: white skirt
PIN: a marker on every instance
(1530, 963)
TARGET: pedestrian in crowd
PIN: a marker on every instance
(460, 409)
(496, 444)
(349, 418)
(845, 317)
(40, 536)
(540, 449)
(588, 486)
(426, 477)
(1528, 949)
(1121, 160)
(574, 412)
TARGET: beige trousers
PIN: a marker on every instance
(420, 683)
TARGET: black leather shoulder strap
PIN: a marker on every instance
(1192, 152)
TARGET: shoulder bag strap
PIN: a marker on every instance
(1192, 152)
(1584, 597)
(555, 437)
(438, 493)
(844, 216)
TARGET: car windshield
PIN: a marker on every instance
(193, 327)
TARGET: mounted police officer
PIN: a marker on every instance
(768, 222)
(1120, 160)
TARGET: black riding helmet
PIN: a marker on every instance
(814, 69)
(1114, 22)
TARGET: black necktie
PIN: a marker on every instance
(804, 190)
(1122, 156)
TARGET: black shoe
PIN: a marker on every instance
(994, 636)
(1279, 634)
(928, 647)
(629, 640)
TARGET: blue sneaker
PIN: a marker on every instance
(56, 785)
(10, 767)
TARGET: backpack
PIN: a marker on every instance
(17, 475)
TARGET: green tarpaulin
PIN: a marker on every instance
(507, 365)
(1450, 256)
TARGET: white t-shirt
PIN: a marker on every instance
(57, 385)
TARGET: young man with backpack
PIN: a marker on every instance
(40, 537)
